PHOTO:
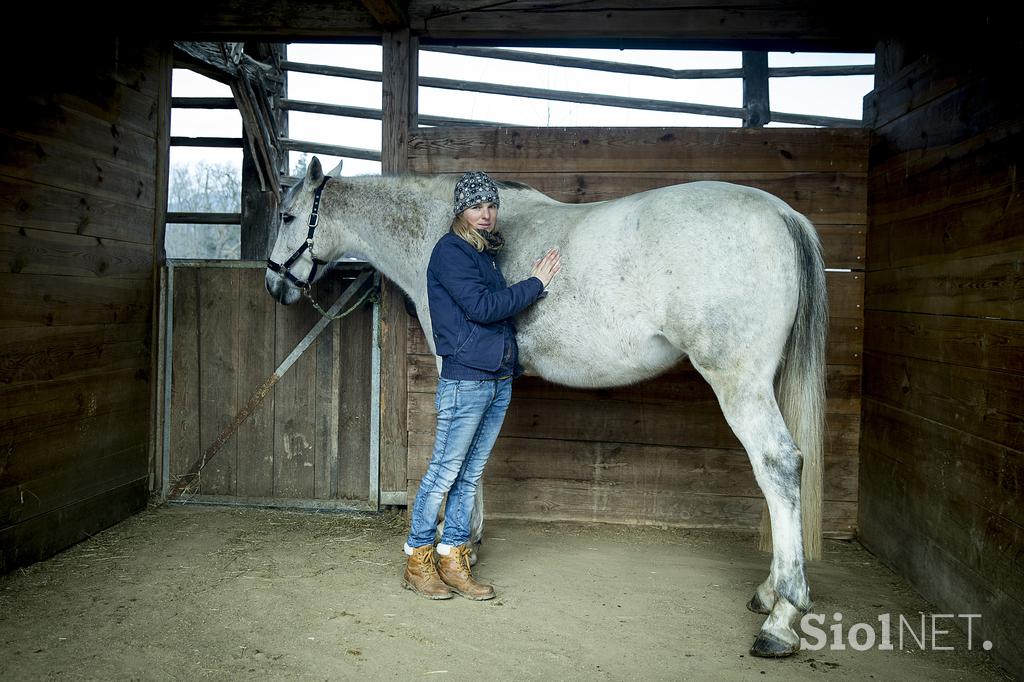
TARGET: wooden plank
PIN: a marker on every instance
(985, 286)
(41, 451)
(52, 301)
(260, 215)
(967, 341)
(399, 77)
(328, 372)
(157, 362)
(103, 139)
(185, 444)
(41, 252)
(984, 403)
(255, 437)
(545, 500)
(25, 204)
(393, 388)
(982, 224)
(294, 406)
(389, 14)
(750, 25)
(30, 355)
(674, 470)
(112, 102)
(355, 337)
(934, 542)
(539, 150)
(959, 469)
(826, 198)
(755, 89)
(219, 357)
(921, 504)
(76, 479)
(915, 184)
(63, 165)
(30, 406)
(917, 84)
(47, 534)
(643, 69)
(974, 107)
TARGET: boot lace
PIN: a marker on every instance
(462, 556)
(427, 562)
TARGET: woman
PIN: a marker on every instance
(471, 311)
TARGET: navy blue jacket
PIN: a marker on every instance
(471, 305)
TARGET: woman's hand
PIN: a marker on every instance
(547, 267)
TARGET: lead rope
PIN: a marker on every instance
(371, 294)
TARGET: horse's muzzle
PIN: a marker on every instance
(281, 289)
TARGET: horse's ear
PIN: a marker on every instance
(314, 173)
(336, 173)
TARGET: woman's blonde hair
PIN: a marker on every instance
(468, 232)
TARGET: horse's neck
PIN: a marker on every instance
(395, 225)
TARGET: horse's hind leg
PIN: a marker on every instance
(476, 525)
(754, 416)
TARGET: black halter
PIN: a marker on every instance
(314, 218)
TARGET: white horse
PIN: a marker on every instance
(728, 275)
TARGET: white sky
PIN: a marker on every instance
(828, 96)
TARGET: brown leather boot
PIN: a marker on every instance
(454, 571)
(421, 574)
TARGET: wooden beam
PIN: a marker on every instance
(259, 205)
(399, 108)
(204, 218)
(755, 90)
(221, 142)
(389, 14)
(612, 23)
(577, 97)
(203, 103)
(375, 114)
(330, 149)
(643, 69)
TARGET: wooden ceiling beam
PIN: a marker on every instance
(388, 13)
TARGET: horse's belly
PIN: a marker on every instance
(590, 361)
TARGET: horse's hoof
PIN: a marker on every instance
(757, 606)
(766, 646)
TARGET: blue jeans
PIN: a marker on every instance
(469, 416)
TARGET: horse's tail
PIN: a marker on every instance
(801, 385)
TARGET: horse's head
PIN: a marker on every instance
(303, 249)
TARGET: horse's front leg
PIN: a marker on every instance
(777, 463)
(476, 524)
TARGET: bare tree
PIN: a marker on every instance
(204, 187)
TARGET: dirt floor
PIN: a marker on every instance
(194, 593)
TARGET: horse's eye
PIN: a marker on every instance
(287, 218)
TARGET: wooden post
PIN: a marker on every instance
(399, 104)
(259, 208)
(755, 90)
(163, 157)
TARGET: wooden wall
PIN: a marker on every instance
(80, 154)
(942, 453)
(310, 437)
(658, 452)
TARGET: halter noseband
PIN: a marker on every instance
(314, 218)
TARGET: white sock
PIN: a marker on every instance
(407, 549)
(444, 550)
